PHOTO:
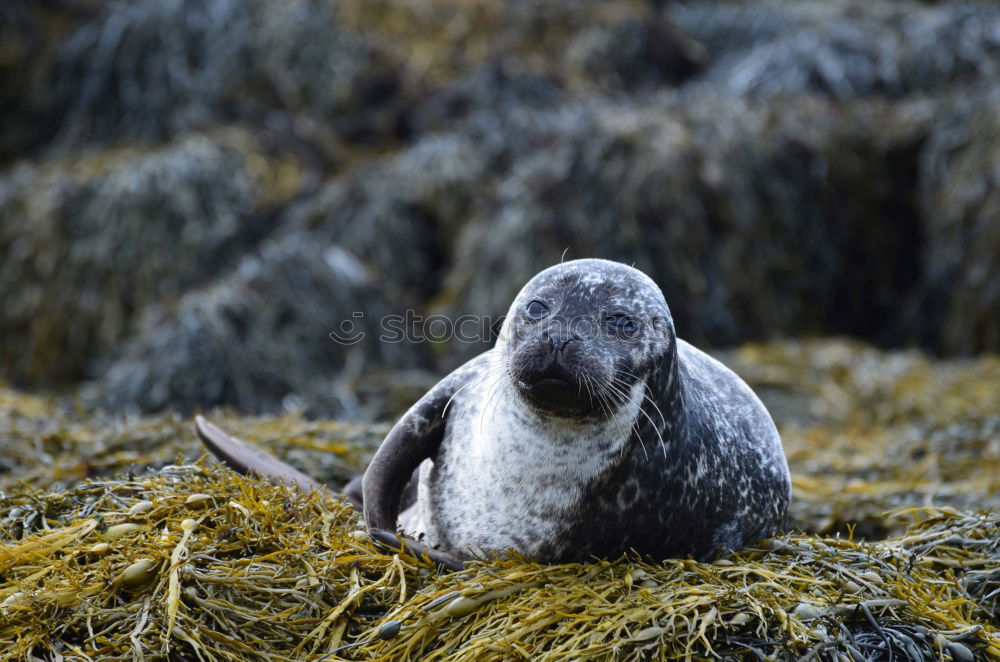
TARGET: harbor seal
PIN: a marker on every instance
(588, 430)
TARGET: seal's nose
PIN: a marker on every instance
(556, 341)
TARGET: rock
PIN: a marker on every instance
(398, 215)
(486, 98)
(956, 301)
(87, 242)
(585, 44)
(780, 168)
(751, 216)
(25, 49)
(844, 49)
(259, 339)
(152, 69)
(633, 53)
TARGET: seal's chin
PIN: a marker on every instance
(555, 392)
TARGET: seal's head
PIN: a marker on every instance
(581, 334)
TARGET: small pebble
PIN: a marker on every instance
(960, 652)
(389, 630)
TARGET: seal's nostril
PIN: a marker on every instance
(556, 343)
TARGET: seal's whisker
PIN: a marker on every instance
(585, 380)
(495, 373)
(596, 394)
(619, 391)
(605, 395)
(478, 380)
(659, 435)
(663, 446)
(645, 386)
(607, 398)
(457, 391)
(647, 398)
(494, 390)
(638, 435)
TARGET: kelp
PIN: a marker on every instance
(92, 240)
(197, 563)
(116, 544)
(867, 432)
(48, 445)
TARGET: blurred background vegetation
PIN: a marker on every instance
(194, 194)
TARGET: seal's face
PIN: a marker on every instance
(580, 335)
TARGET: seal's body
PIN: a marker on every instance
(507, 478)
(588, 430)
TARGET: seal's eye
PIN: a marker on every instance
(621, 324)
(536, 310)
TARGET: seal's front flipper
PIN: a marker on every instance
(415, 437)
(354, 492)
(243, 458)
(392, 542)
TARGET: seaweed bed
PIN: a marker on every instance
(116, 542)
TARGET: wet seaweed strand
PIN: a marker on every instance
(196, 563)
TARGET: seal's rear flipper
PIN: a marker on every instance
(353, 492)
(243, 458)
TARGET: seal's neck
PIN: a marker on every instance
(669, 413)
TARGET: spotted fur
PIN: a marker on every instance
(683, 460)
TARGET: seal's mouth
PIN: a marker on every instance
(555, 391)
(550, 382)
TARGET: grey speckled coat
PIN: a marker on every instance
(669, 453)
